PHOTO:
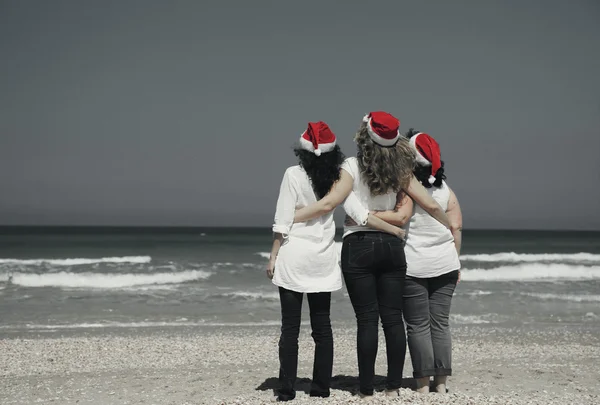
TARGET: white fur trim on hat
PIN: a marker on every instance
(323, 147)
(377, 138)
(422, 160)
(431, 179)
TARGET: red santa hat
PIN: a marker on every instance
(383, 128)
(318, 138)
(427, 152)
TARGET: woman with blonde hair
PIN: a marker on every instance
(373, 262)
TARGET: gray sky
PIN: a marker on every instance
(185, 112)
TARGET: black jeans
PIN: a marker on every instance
(374, 268)
(291, 309)
(426, 312)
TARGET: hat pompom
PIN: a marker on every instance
(431, 179)
(318, 152)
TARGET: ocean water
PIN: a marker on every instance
(55, 280)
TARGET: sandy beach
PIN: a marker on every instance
(239, 366)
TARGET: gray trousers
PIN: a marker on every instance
(426, 312)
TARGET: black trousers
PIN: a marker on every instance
(291, 308)
(374, 268)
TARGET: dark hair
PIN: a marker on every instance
(322, 170)
(422, 173)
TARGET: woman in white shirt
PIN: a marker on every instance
(432, 256)
(304, 258)
(373, 263)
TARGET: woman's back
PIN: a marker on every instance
(373, 263)
(361, 191)
(318, 230)
(307, 260)
(304, 259)
(430, 249)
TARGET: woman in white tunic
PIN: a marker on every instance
(304, 258)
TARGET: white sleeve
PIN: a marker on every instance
(286, 205)
(347, 166)
(352, 205)
(355, 209)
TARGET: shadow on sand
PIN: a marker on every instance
(339, 382)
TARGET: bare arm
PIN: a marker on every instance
(455, 218)
(383, 226)
(401, 213)
(325, 205)
(360, 215)
(277, 242)
(420, 195)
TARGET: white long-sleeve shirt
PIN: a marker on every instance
(308, 260)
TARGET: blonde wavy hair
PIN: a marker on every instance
(384, 169)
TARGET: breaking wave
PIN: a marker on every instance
(101, 280)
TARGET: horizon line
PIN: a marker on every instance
(193, 227)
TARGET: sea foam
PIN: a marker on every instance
(101, 280)
(512, 257)
(532, 272)
(77, 261)
(533, 257)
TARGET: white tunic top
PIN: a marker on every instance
(361, 198)
(430, 249)
(308, 259)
